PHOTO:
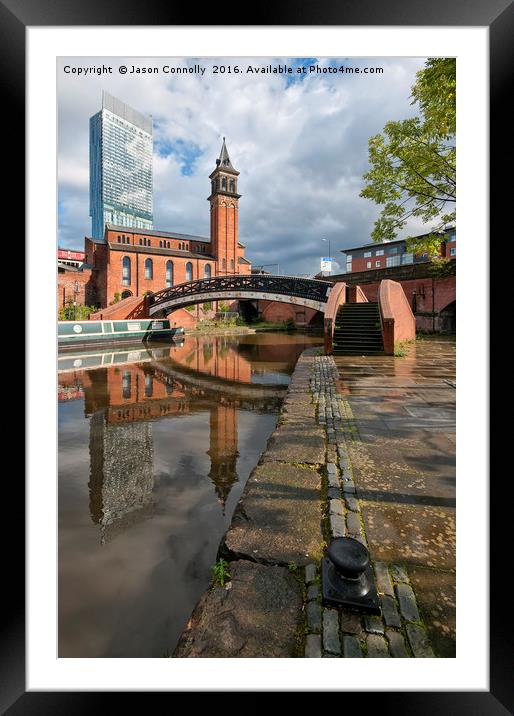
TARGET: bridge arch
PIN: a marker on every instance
(310, 293)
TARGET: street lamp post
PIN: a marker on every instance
(329, 255)
(76, 290)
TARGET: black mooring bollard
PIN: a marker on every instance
(348, 579)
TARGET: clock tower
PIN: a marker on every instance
(224, 201)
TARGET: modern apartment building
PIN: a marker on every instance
(394, 253)
(120, 167)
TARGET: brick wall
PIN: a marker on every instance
(432, 295)
(275, 312)
(107, 262)
(224, 233)
(139, 284)
(66, 280)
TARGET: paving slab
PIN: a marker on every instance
(416, 534)
(257, 617)
(298, 408)
(297, 443)
(278, 519)
(435, 594)
(384, 471)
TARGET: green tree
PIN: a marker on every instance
(413, 161)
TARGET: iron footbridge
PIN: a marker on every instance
(308, 292)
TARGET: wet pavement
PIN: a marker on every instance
(403, 460)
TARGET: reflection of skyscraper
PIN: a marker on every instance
(121, 480)
(120, 167)
(223, 449)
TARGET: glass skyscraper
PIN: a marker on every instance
(120, 167)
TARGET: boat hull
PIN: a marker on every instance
(75, 334)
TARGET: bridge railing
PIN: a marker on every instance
(286, 285)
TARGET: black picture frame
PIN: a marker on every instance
(498, 16)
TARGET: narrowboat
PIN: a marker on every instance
(71, 334)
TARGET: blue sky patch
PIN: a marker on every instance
(186, 153)
(299, 76)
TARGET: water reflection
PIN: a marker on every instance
(121, 479)
(161, 425)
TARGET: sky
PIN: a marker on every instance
(299, 141)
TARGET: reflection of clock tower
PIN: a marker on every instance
(224, 201)
(223, 449)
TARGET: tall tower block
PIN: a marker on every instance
(224, 201)
(120, 167)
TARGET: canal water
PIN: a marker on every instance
(155, 447)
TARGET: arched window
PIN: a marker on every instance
(148, 385)
(189, 271)
(125, 383)
(231, 264)
(207, 271)
(125, 272)
(232, 186)
(223, 264)
(148, 268)
(169, 274)
(224, 184)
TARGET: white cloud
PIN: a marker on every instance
(301, 150)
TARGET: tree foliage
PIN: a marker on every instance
(413, 160)
(69, 312)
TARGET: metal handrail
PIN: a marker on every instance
(312, 289)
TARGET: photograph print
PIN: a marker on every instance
(256, 299)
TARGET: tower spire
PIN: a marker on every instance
(224, 201)
(224, 159)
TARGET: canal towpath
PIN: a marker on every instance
(309, 486)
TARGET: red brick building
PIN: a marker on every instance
(394, 253)
(133, 262)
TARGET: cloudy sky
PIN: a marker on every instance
(300, 142)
